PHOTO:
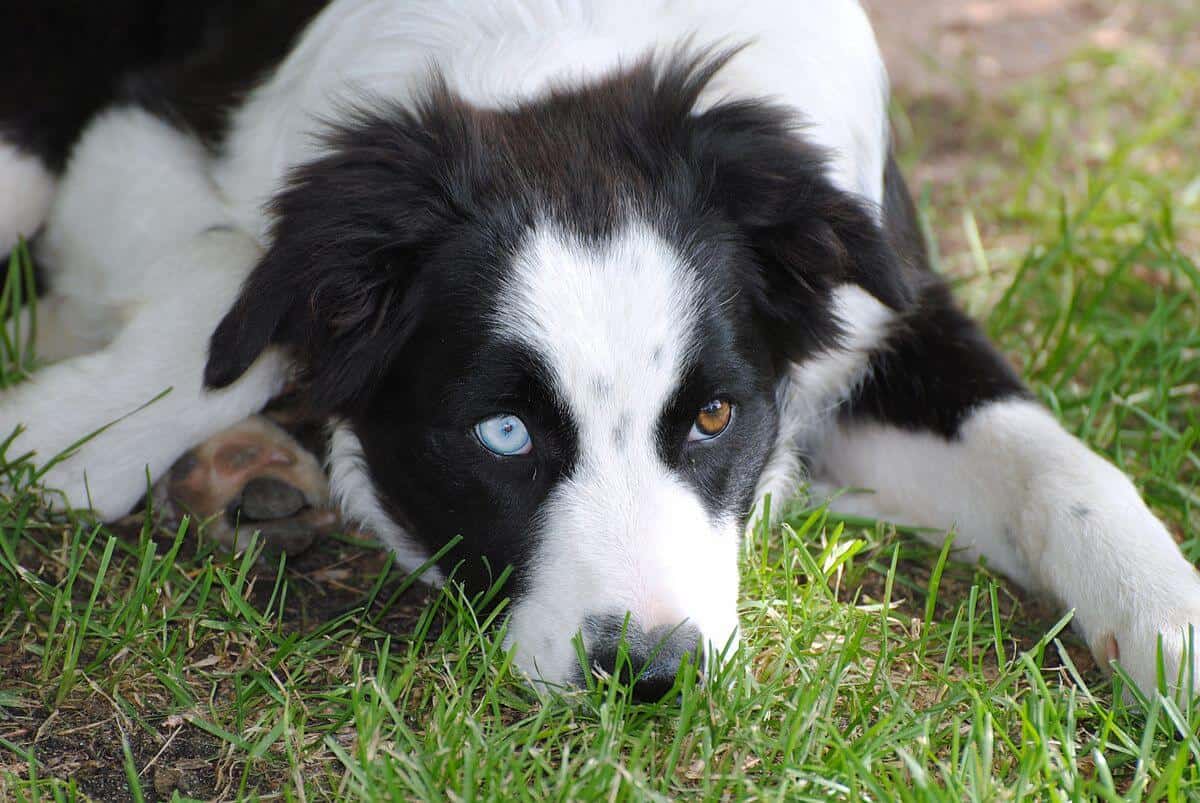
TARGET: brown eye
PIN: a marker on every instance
(712, 420)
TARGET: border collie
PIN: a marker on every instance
(582, 282)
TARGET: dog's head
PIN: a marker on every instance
(558, 330)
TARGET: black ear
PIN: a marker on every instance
(339, 286)
(808, 235)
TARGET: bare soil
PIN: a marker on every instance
(951, 48)
(946, 58)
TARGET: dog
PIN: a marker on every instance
(579, 283)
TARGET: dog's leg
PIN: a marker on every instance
(26, 190)
(162, 347)
(943, 435)
(55, 336)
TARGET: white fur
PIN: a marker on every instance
(55, 334)
(623, 534)
(135, 189)
(815, 389)
(355, 495)
(26, 189)
(1041, 508)
(140, 281)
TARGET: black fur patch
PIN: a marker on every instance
(63, 61)
(236, 47)
(937, 365)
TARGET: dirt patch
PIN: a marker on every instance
(952, 48)
(86, 744)
(333, 578)
(82, 738)
(950, 59)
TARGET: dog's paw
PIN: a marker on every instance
(251, 477)
(1135, 647)
(108, 494)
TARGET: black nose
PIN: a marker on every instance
(651, 659)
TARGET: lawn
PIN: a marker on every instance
(139, 662)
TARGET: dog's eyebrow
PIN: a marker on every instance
(505, 370)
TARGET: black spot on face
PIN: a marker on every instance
(432, 473)
(619, 436)
(1081, 511)
(601, 388)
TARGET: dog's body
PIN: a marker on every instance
(573, 284)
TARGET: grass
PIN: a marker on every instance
(16, 346)
(138, 663)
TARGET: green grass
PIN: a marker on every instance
(16, 345)
(144, 664)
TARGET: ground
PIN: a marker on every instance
(1055, 151)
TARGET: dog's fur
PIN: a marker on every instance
(597, 217)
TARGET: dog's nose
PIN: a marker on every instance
(654, 656)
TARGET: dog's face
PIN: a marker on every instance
(594, 415)
(559, 331)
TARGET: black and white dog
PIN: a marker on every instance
(579, 281)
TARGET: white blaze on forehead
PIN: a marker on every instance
(615, 323)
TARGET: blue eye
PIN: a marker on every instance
(505, 435)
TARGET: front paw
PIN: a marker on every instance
(251, 477)
(80, 482)
(1159, 649)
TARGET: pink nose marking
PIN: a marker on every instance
(279, 457)
(656, 613)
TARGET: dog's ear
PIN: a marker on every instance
(339, 285)
(807, 235)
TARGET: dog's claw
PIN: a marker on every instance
(253, 476)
